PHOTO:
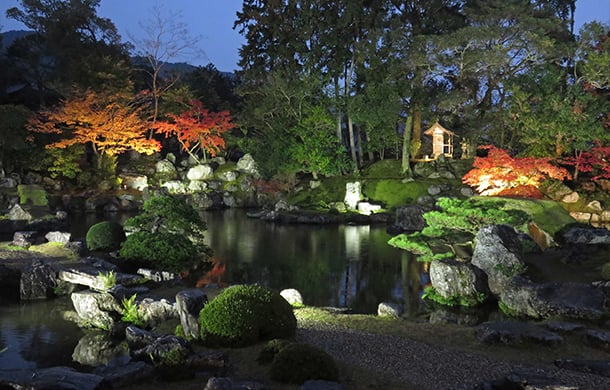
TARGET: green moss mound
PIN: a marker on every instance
(245, 314)
(105, 236)
(163, 251)
(297, 363)
(547, 214)
(384, 169)
(393, 192)
(32, 194)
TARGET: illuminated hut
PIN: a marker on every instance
(442, 140)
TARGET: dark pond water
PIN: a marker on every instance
(343, 266)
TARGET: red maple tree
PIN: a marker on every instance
(108, 127)
(197, 129)
(595, 161)
(499, 173)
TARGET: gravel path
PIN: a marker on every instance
(422, 366)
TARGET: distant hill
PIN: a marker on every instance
(9, 37)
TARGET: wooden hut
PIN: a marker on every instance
(442, 140)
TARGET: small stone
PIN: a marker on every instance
(292, 296)
(388, 309)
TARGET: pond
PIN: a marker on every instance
(334, 265)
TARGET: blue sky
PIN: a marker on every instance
(212, 21)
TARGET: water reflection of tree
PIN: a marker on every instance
(45, 337)
(313, 259)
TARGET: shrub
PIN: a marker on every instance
(163, 251)
(271, 349)
(297, 363)
(105, 236)
(244, 314)
(169, 214)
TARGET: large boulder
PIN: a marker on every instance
(165, 167)
(585, 236)
(96, 349)
(17, 213)
(451, 279)
(188, 304)
(95, 309)
(38, 281)
(134, 181)
(154, 311)
(498, 253)
(200, 172)
(410, 218)
(353, 194)
(553, 300)
(247, 165)
(49, 378)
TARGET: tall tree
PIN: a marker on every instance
(166, 39)
(73, 46)
(502, 40)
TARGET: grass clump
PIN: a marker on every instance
(108, 279)
(245, 314)
(131, 313)
(298, 362)
(105, 236)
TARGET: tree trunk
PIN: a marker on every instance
(352, 143)
(371, 154)
(406, 147)
(416, 134)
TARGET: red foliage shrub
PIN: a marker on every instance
(498, 172)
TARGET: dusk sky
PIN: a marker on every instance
(212, 21)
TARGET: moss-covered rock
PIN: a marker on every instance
(105, 236)
(244, 314)
(32, 194)
(297, 363)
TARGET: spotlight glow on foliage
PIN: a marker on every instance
(501, 174)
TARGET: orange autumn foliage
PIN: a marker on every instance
(109, 127)
(197, 128)
(501, 174)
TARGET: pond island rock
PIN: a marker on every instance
(498, 255)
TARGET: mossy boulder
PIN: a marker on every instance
(105, 236)
(297, 363)
(32, 194)
(245, 314)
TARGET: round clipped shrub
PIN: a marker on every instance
(162, 251)
(105, 236)
(297, 363)
(244, 314)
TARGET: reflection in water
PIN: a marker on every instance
(34, 334)
(344, 266)
(338, 265)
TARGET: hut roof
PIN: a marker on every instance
(436, 125)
